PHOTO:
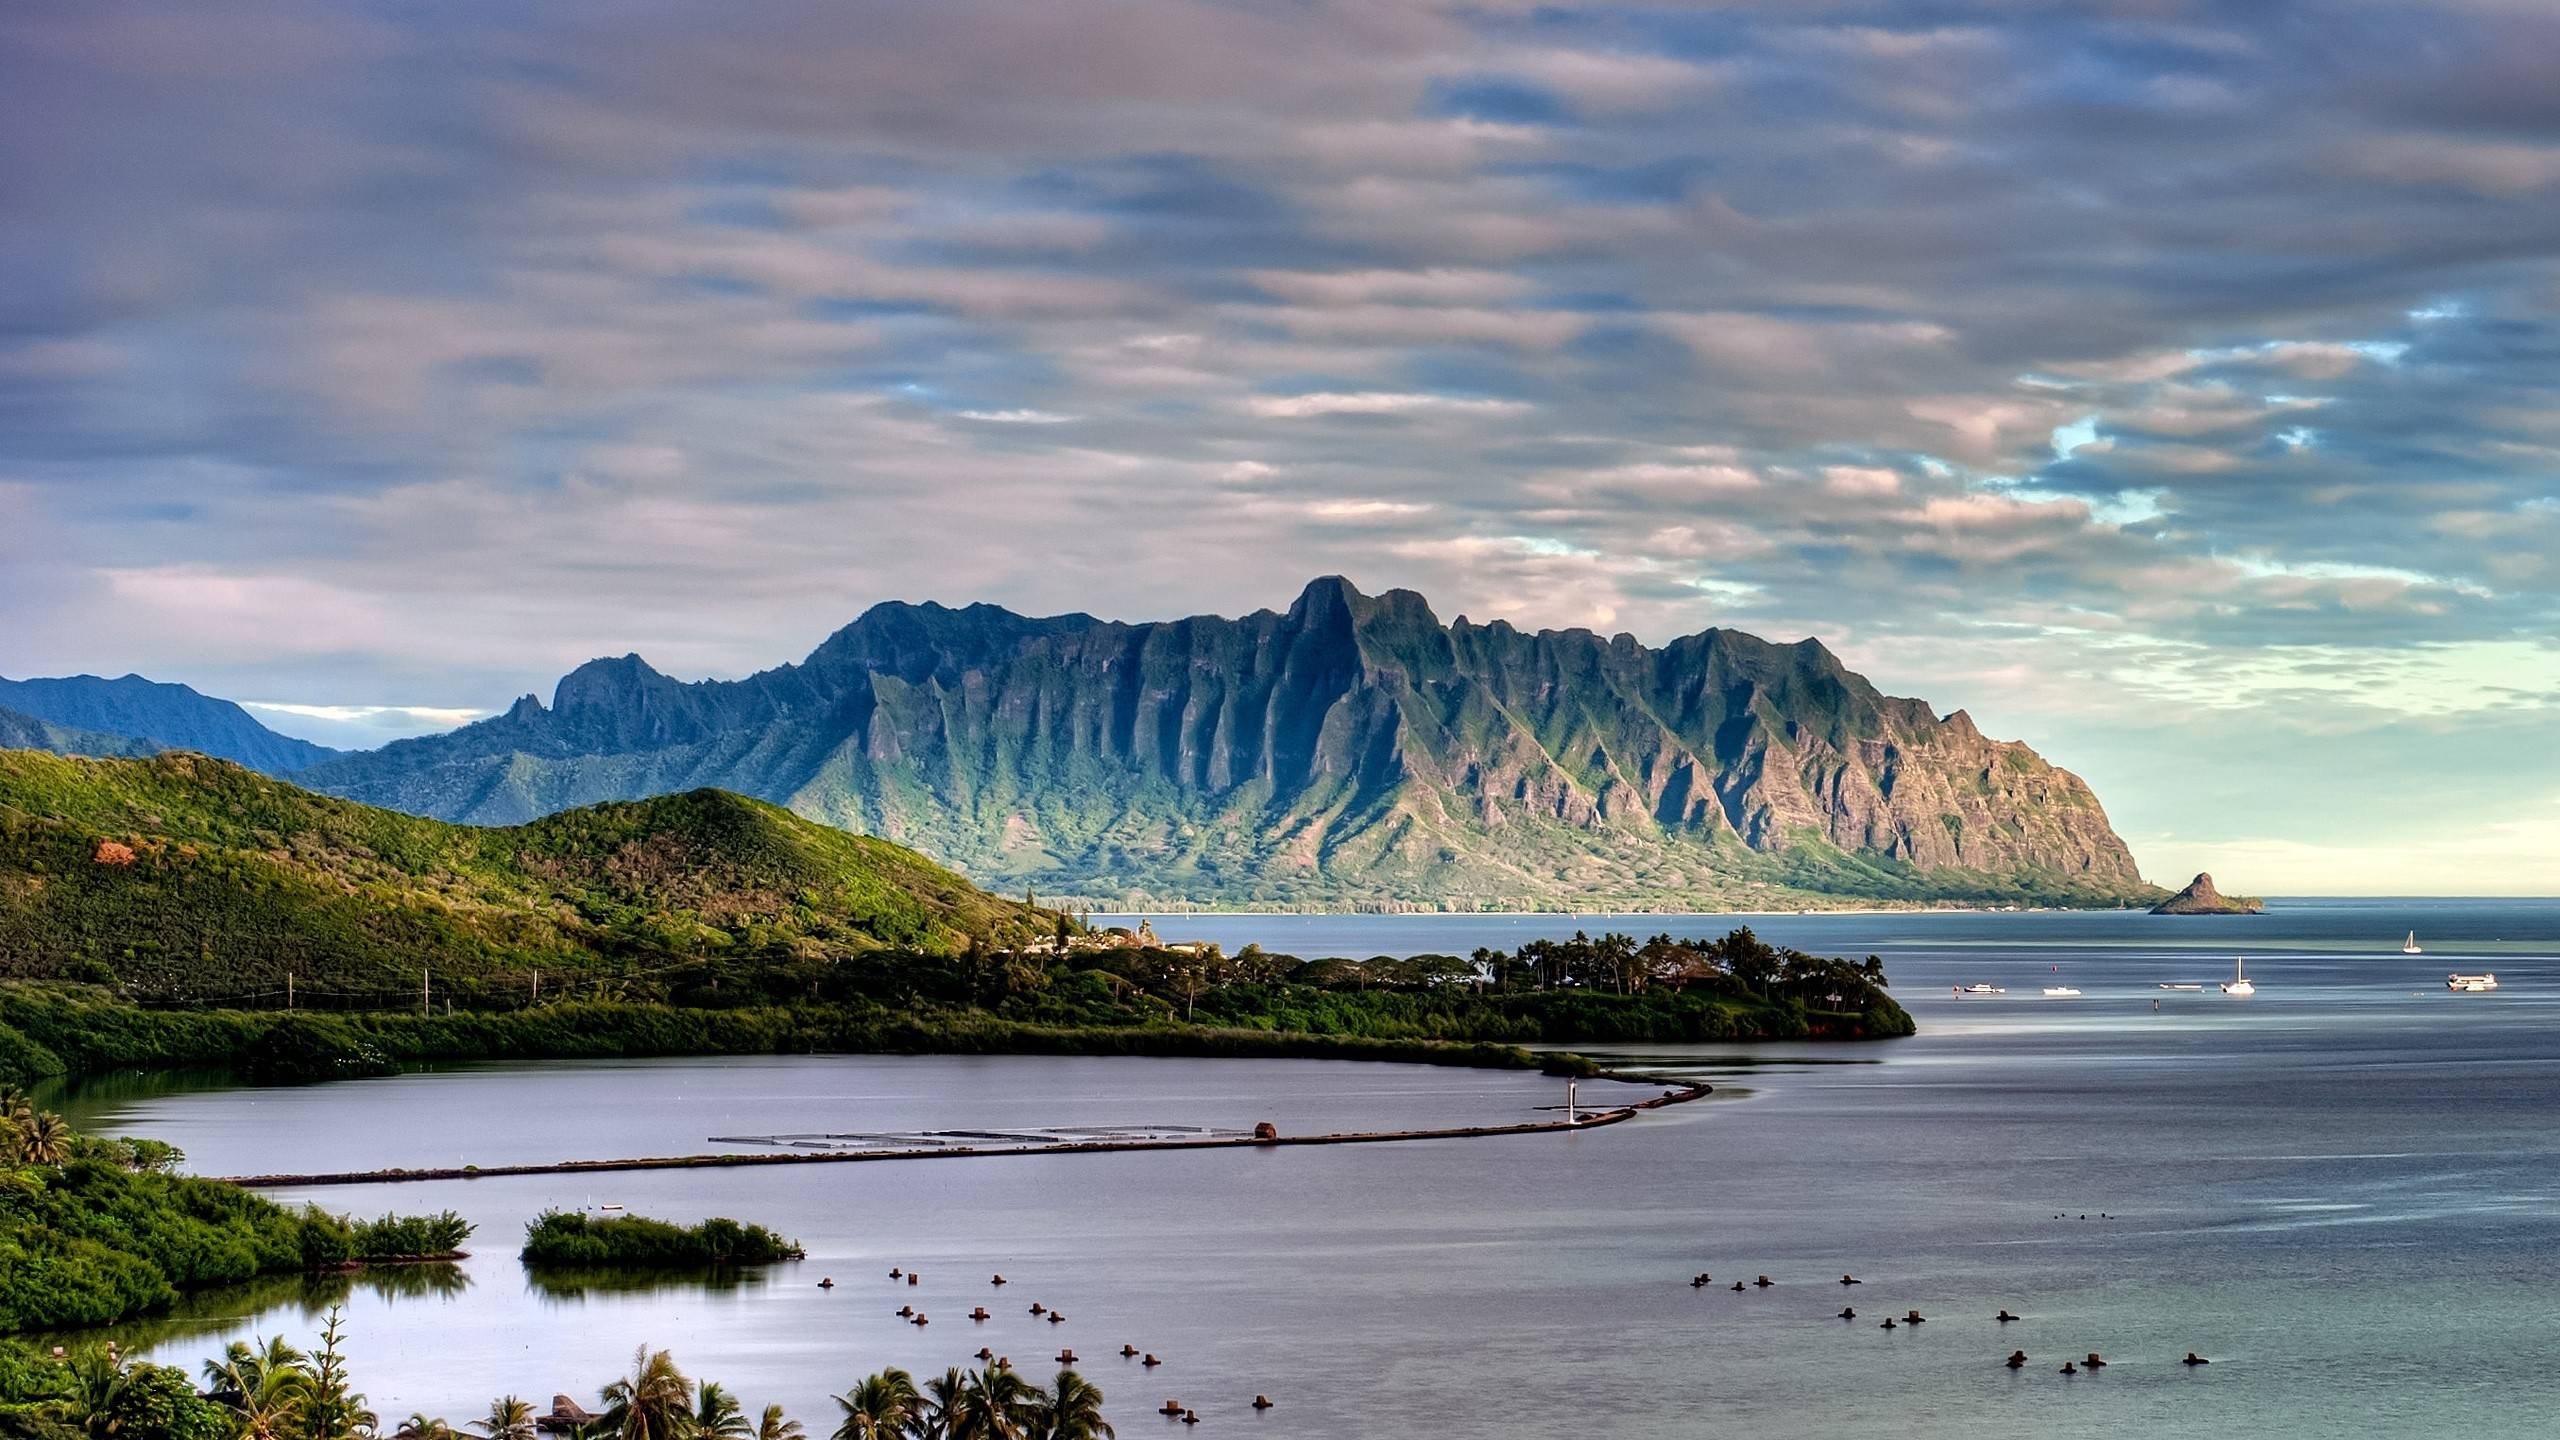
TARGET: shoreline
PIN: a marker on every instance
(1598, 1118)
(1915, 908)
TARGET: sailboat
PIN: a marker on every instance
(2238, 984)
(2411, 946)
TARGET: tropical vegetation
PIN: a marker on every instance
(95, 1230)
(271, 1389)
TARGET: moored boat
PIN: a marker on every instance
(2238, 984)
(1980, 989)
(2411, 946)
(2059, 992)
(2471, 984)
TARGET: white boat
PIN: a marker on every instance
(1980, 989)
(2411, 946)
(2181, 985)
(2060, 992)
(2470, 984)
(2238, 984)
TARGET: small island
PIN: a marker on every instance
(2200, 898)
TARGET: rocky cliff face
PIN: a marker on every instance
(1351, 748)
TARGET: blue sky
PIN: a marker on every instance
(2170, 384)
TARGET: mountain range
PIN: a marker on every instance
(1352, 749)
(121, 713)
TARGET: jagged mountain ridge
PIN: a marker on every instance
(1351, 748)
(161, 716)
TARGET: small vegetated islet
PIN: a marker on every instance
(573, 1238)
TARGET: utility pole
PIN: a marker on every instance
(424, 1006)
(288, 990)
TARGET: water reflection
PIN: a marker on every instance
(281, 1302)
(572, 1284)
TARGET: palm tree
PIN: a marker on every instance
(44, 1139)
(265, 1388)
(653, 1402)
(420, 1426)
(1073, 1411)
(95, 1400)
(778, 1426)
(717, 1416)
(510, 1418)
(882, 1407)
(941, 1404)
(993, 1404)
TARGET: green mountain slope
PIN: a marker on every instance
(186, 876)
(1351, 749)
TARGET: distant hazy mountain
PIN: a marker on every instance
(1352, 749)
(21, 731)
(169, 716)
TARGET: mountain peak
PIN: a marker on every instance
(1325, 595)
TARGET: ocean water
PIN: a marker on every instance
(2345, 1191)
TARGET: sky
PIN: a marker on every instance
(2173, 384)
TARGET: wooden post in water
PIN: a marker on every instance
(1570, 1118)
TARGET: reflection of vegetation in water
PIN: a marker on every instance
(267, 1299)
(89, 1101)
(573, 1283)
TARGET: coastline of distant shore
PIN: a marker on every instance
(1188, 913)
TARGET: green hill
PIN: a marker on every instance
(187, 877)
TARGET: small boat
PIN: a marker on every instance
(2180, 985)
(2411, 946)
(2238, 984)
(1980, 990)
(2060, 992)
(2471, 984)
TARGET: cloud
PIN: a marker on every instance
(2197, 359)
(1377, 402)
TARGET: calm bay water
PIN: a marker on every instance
(2345, 1190)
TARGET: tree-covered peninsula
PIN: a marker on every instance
(182, 911)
